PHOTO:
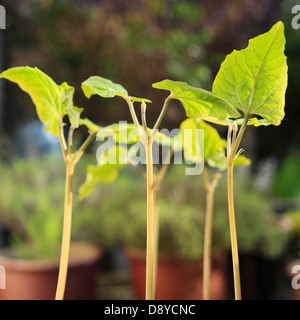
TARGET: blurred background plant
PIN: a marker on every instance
(181, 205)
(32, 205)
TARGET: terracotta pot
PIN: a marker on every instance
(37, 279)
(176, 279)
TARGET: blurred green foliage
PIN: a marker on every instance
(133, 43)
(121, 219)
(287, 180)
(32, 206)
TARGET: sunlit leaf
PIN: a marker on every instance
(104, 172)
(90, 125)
(72, 111)
(102, 87)
(47, 96)
(254, 79)
(198, 102)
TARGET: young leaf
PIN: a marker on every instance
(89, 124)
(198, 102)
(44, 92)
(106, 89)
(102, 87)
(212, 140)
(96, 174)
(254, 79)
(72, 111)
(103, 172)
(122, 132)
(214, 146)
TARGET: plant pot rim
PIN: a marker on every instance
(81, 253)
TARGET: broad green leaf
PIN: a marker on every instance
(104, 172)
(102, 87)
(90, 125)
(198, 102)
(254, 79)
(47, 96)
(72, 111)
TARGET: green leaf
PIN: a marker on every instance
(213, 144)
(96, 174)
(254, 79)
(220, 162)
(47, 96)
(242, 161)
(90, 125)
(102, 87)
(72, 111)
(104, 172)
(122, 132)
(170, 140)
(198, 102)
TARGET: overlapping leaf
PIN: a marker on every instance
(72, 111)
(198, 103)
(213, 149)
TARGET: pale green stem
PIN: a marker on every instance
(210, 187)
(66, 239)
(156, 186)
(161, 115)
(63, 144)
(70, 140)
(84, 146)
(150, 226)
(233, 235)
(156, 237)
(207, 237)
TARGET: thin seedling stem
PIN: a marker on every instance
(66, 239)
(150, 255)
